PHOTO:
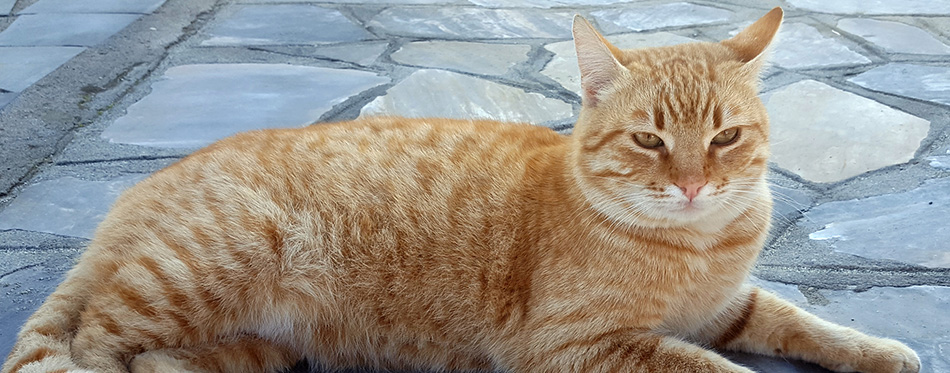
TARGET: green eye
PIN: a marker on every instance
(726, 137)
(648, 140)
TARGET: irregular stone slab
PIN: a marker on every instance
(283, 24)
(874, 7)
(97, 6)
(784, 291)
(563, 66)
(909, 227)
(66, 206)
(6, 97)
(642, 18)
(400, 2)
(64, 29)
(543, 3)
(194, 105)
(472, 23)
(359, 53)
(438, 93)
(23, 66)
(802, 46)
(788, 202)
(894, 37)
(931, 83)
(6, 6)
(477, 58)
(824, 134)
(914, 315)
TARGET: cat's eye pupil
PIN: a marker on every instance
(648, 140)
(726, 137)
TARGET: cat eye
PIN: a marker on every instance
(648, 140)
(726, 137)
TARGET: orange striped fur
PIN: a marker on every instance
(455, 245)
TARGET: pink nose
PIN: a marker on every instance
(691, 189)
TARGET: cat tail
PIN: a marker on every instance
(43, 342)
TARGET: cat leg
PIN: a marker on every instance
(247, 354)
(766, 324)
(625, 350)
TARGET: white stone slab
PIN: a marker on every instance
(472, 23)
(802, 46)
(53, 29)
(477, 58)
(194, 105)
(824, 134)
(544, 3)
(563, 66)
(93, 6)
(874, 7)
(931, 83)
(283, 24)
(909, 227)
(20, 67)
(894, 37)
(640, 18)
(438, 93)
(67, 206)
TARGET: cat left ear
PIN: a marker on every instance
(597, 60)
(751, 43)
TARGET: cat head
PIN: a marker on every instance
(673, 136)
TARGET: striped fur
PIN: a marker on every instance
(455, 245)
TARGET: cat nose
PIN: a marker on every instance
(691, 188)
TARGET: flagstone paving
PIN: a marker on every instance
(858, 93)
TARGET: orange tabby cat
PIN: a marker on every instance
(460, 245)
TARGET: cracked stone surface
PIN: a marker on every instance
(931, 83)
(97, 6)
(6, 6)
(476, 58)
(907, 227)
(802, 46)
(563, 66)
(55, 29)
(824, 134)
(543, 3)
(23, 66)
(67, 206)
(437, 93)
(472, 23)
(874, 7)
(284, 24)
(364, 53)
(195, 105)
(894, 36)
(640, 18)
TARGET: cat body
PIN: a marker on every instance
(460, 245)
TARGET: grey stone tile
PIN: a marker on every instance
(931, 83)
(23, 66)
(438, 93)
(66, 206)
(387, 2)
(874, 7)
(563, 66)
(97, 6)
(6, 6)
(788, 202)
(915, 315)
(359, 53)
(194, 105)
(543, 3)
(640, 18)
(824, 134)
(477, 58)
(909, 227)
(64, 29)
(283, 24)
(894, 37)
(802, 46)
(473, 23)
(6, 98)
(784, 291)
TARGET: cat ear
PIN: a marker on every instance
(597, 59)
(750, 44)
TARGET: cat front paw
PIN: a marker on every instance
(884, 356)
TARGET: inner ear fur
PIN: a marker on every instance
(597, 59)
(750, 44)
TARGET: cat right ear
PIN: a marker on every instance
(750, 44)
(597, 60)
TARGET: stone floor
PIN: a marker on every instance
(858, 93)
